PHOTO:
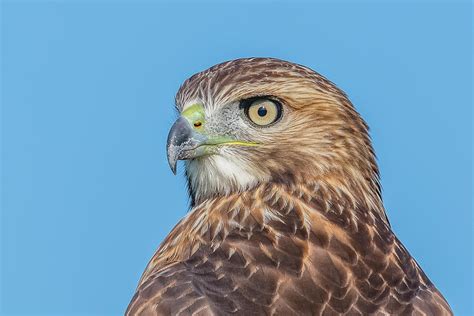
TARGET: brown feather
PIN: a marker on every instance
(314, 240)
(307, 265)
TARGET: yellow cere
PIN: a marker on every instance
(195, 115)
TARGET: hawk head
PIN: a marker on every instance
(258, 120)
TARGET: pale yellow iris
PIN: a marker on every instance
(263, 112)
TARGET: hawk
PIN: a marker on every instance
(286, 210)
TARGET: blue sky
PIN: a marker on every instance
(87, 100)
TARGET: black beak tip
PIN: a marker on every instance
(172, 166)
(172, 158)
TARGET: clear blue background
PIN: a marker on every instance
(87, 100)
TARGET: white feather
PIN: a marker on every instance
(223, 173)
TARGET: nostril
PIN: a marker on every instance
(197, 124)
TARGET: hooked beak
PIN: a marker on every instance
(183, 142)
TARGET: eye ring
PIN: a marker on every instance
(262, 111)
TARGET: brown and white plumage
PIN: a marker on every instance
(294, 225)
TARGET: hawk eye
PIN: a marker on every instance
(262, 112)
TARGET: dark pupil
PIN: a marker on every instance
(262, 111)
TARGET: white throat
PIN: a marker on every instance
(220, 174)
